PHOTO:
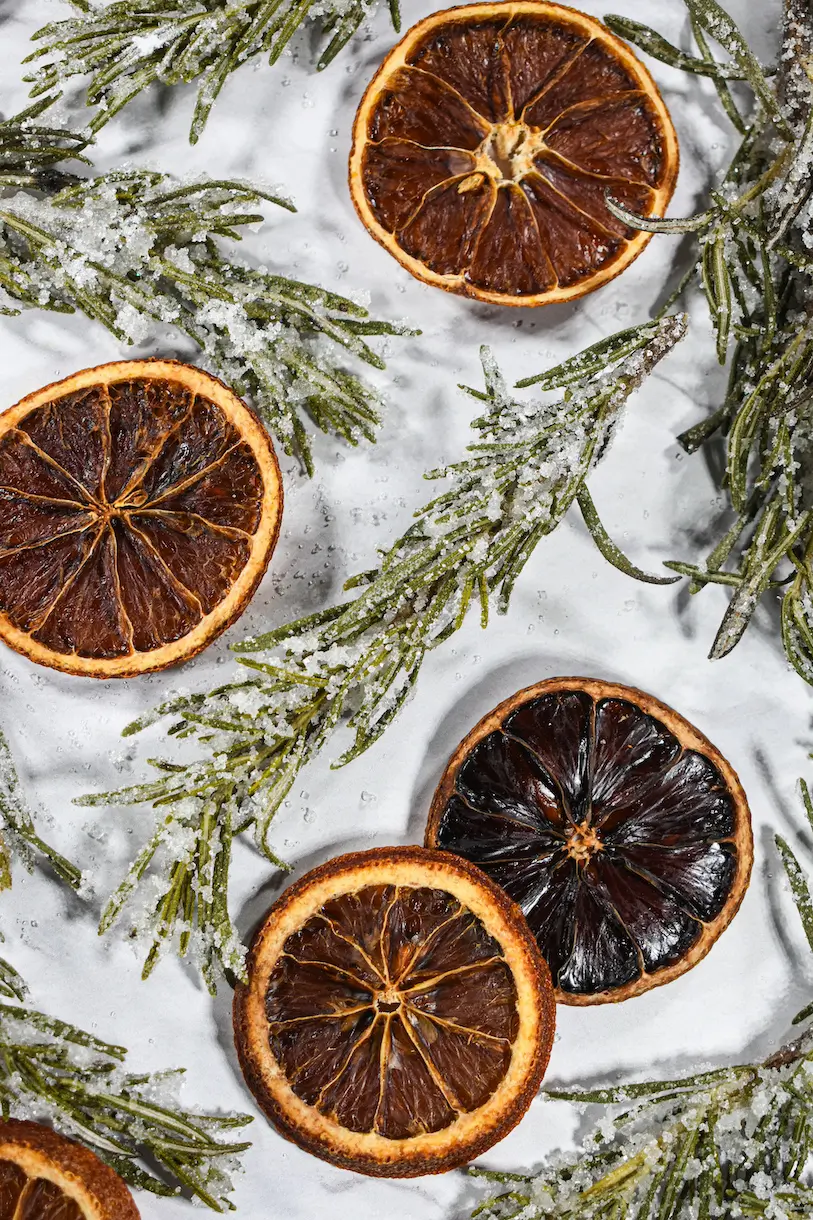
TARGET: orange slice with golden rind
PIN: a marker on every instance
(398, 1016)
(44, 1176)
(485, 146)
(140, 503)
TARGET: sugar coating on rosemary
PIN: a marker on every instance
(124, 46)
(731, 1142)
(755, 263)
(354, 665)
(52, 1072)
(137, 251)
(728, 1142)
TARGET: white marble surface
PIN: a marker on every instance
(571, 614)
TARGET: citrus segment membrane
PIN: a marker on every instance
(624, 840)
(485, 147)
(129, 510)
(398, 1016)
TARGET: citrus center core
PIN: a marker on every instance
(583, 843)
(507, 152)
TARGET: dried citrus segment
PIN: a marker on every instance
(140, 503)
(621, 832)
(44, 1176)
(509, 256)
(486, 144)
(398, 1016)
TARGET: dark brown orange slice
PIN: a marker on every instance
(618, 828)
(140, 503)
(44, 1176)
(488, 140)
(398, 1016)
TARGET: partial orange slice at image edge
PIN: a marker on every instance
(44, 1176)
(140, 503)
(488, 140)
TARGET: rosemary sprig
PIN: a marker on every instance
(132, 248)
(357, 663)
(732, 1141)
(51, 1071)
(19, 838)
(755, 264)
(31, 155)
(126, 45)
(12, 984)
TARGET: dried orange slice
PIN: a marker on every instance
(486, 143)
(140, 503)
(44, 1176)
(398, 1016)
(619, 829)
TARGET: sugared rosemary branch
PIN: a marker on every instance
(133, 248)
(19, 840)
(357, 663)
(756, 268)
(733, 1141)
(31, 155)
(18, 834)
(12, 983)
(126, 45)
(52, 1072)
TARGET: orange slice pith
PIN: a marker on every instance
(398, 1016)
(44, 1176)
(140, 502)
(484, 145)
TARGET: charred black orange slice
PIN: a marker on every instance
(618, 828)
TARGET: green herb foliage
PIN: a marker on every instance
(18, 835)
(32, 155)
(733, 1141)
(355, 665)
(755, 263)
(124, 46)
(132, 248)
(52, 1072)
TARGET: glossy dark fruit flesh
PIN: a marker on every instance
(24, 1198)
(620, 832)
